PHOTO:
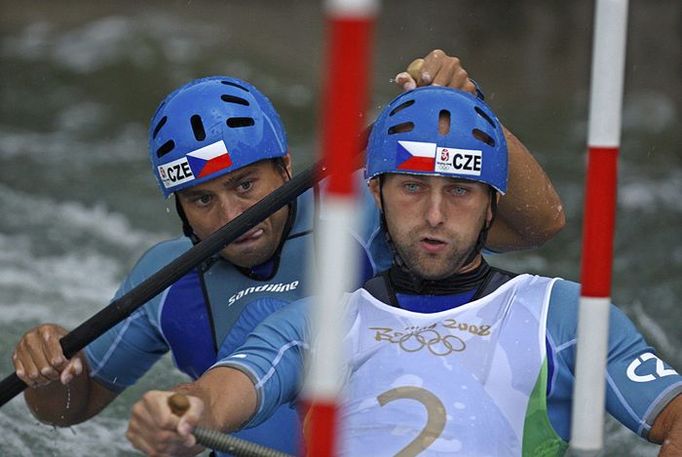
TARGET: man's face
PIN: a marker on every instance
(212, 204)
(434, 222)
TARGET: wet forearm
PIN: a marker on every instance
(531, 212)
(229, 397)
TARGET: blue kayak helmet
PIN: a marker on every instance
(409, 137)
(438, 131)
(209, 127)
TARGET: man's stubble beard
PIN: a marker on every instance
(434, 266)
(425, 265)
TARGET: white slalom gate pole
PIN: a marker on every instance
(608, 65)
(350, 24)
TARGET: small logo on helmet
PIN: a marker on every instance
(459, 161)
(196, 164)
(175, 172)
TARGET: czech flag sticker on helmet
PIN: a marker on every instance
(196, 164)
(419, 156)
(416, 156)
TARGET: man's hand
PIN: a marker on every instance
(155, 430)
(38, 358)
(436, 69)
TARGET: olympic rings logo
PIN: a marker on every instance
(415, 339)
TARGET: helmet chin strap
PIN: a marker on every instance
(483, 234)
(186, 228)
(417, 280)
(397, 259)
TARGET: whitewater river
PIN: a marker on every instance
(78, 204)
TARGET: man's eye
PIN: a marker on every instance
(203, 200)
(411, 187)
(245, 186)
(459, 190)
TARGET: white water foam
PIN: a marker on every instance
(70, 262)
(70, 216)
(653, 195)
(59, 287)
(112, 40)
(99, 436)
(62, 146)
(649, 111)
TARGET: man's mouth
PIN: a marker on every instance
(432, 244)
(251, 235)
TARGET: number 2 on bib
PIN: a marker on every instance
(435, 419)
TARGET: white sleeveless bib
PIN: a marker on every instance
(457, 382)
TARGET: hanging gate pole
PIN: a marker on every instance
(608, 64)
(349, 25)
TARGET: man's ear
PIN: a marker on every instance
(286, 163)
(374, 185)
(489, 216)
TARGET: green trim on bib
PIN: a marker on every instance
(539, 437)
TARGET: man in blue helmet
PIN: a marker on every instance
(446, 355)
(218, 145)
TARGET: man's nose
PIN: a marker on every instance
(435, 214)
(230, 208)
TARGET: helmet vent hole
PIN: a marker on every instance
(238, 86)
(444, 122)
(485, 116)
(161, 123)
(198, 127)
(165, 148)
(401, 107)
(482, 136)
(237, 122)
(233, 99)
(401, 128)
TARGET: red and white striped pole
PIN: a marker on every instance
(608, 65)
(349, 24)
